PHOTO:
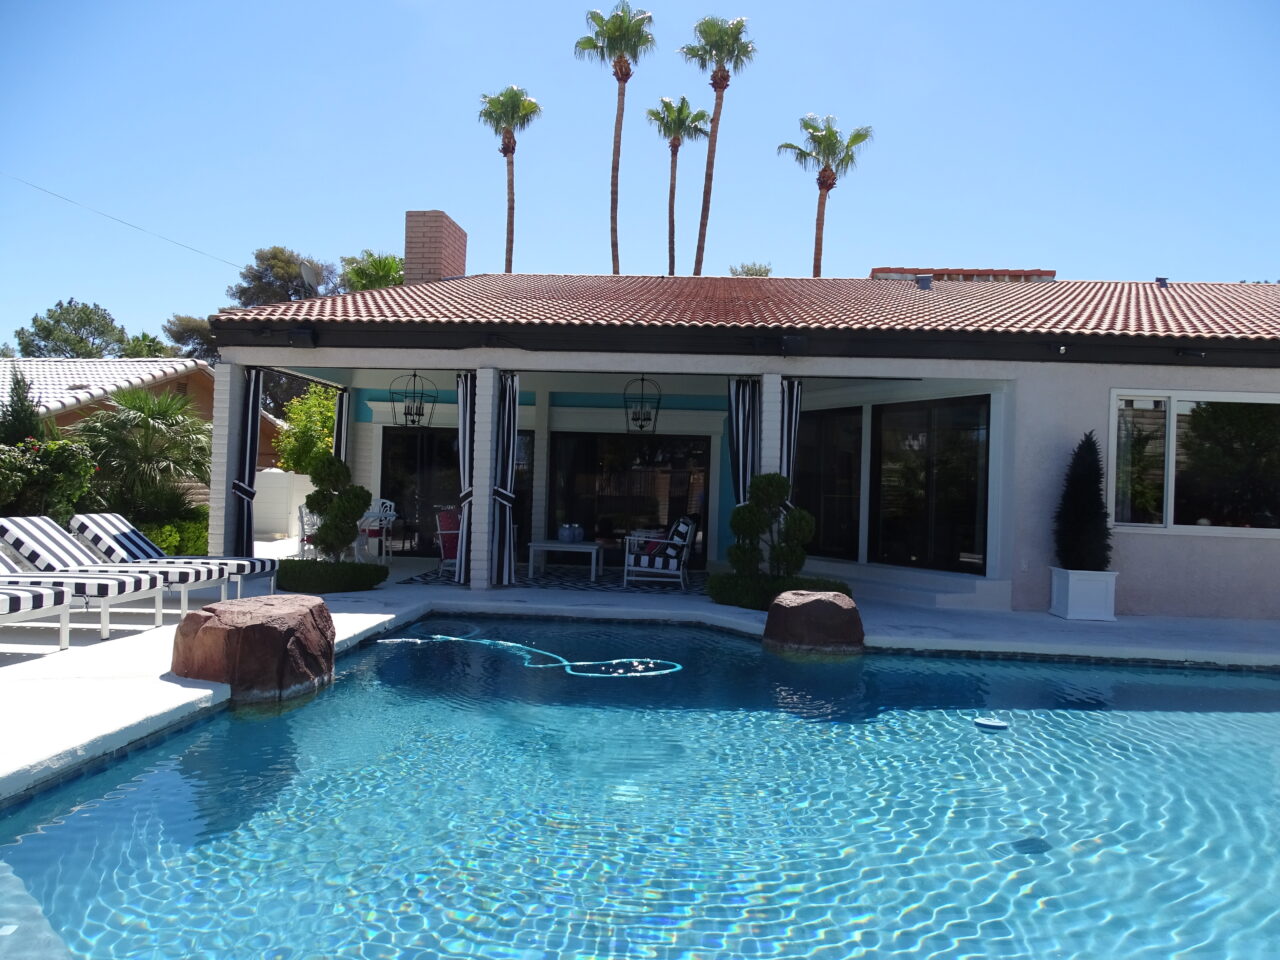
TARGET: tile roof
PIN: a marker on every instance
(59, 384)
(1240, 311)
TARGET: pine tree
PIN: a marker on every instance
(20, 417)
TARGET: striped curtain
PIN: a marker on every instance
(466, 449)
(341, 418)
(503, 545)
(791, 390)
(744, 433)
(242, 485)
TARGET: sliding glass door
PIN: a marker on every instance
(929, 484)
(828, 479)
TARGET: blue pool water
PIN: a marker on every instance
(474, 799)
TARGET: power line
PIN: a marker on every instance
(152, 233)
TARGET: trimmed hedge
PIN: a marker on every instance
(756, 593)
(324, 576)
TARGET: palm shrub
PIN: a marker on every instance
(1081, 535)
(338, 503)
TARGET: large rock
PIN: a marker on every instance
(266, 648)
(813, 622)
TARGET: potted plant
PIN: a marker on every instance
(1083, 587)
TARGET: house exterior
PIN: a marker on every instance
(926, 417)
(67, 390)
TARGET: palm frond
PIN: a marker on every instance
(624, 33)
(825, 145)
(512, 109)
(678, 119)
(720, 42)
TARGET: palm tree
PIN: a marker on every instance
(148, 447)
(504, 113)
(721, 46)
(371, 271)
(676, 122)
(832, 154)
(621, 38)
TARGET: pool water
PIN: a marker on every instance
(471, 798)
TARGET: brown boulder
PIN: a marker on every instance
(266, 648)
(815, 622)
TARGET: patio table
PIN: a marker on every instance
(568, 546)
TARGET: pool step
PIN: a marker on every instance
(25, 934)
(934, 589)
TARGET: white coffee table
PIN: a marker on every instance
(566, 546)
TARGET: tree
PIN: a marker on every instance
(620, 39)
(145, 345)
(148, 447)
(192, 337)
(371, 271)
(752, 269)
(505, 113)
(721, 46)
(337, 502)
(309, 428)
(276, 276)
(832, 154)
(72, 329)
(7, 352)
(20, 417)
(676, 122)
(1080, 533)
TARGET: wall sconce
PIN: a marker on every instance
(641, 401)
(413, 400)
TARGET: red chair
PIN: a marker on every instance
(448, 532)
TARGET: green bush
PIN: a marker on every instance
(324, 576)
(163, 535)
(337, 502)
(43, 478)
(1080, 531)
(193, 536)
(756, 593)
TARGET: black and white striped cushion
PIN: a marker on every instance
(22, 599)
(653, 561)
(96, 585)
(120, 540)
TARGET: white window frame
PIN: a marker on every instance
(1172, 398)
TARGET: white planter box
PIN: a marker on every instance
(1083, 594)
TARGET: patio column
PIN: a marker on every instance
(228, 406)
(482, 474)
(771, 423)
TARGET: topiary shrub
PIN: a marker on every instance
(1081, 534)
(337, 502)
(325, 576)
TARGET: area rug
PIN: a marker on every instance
(575, 578)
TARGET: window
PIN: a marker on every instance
(1192, 460)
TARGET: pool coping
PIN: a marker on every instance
(127, 697)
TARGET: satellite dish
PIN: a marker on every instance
(310, 277)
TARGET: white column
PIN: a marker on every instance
(482, 475)
(228, 402)
(771, 423)
(541, 463)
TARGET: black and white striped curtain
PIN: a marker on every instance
(242, 484)
(341, 417)
(503, 545)
(744, 434)
(466, 450)
(791, 389)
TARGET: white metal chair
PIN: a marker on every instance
(667, 559)
(375, 530)
(307, 524)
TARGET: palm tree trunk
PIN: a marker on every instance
(511, 206)
(817, 232)
(706, 183)
(671, 215)
(613, 177)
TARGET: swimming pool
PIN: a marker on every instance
(454, 798)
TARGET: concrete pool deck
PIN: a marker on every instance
(65, 711)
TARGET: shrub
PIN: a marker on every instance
(193, 533)
(325, 576)
(756, 593)
(163, 535)
(337, 502)
(1081, 534)
(43, 478)
(309, 428)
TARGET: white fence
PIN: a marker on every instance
(275, 505)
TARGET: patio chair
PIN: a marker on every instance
(645, 558)
(307, 524)
(375, 531)
(107, 589)
(448, 530)
(122, 542)
(50, 549)
(30, 603)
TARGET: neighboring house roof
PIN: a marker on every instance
(1233, 311)
(59, 384)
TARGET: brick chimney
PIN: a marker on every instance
(434, 247)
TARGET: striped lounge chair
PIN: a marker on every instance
(121, 542)
(104, 589)
(647, 559)
(50, 549)
(30, 603)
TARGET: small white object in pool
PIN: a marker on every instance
(990, 723)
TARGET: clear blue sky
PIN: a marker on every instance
(1107, 140)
